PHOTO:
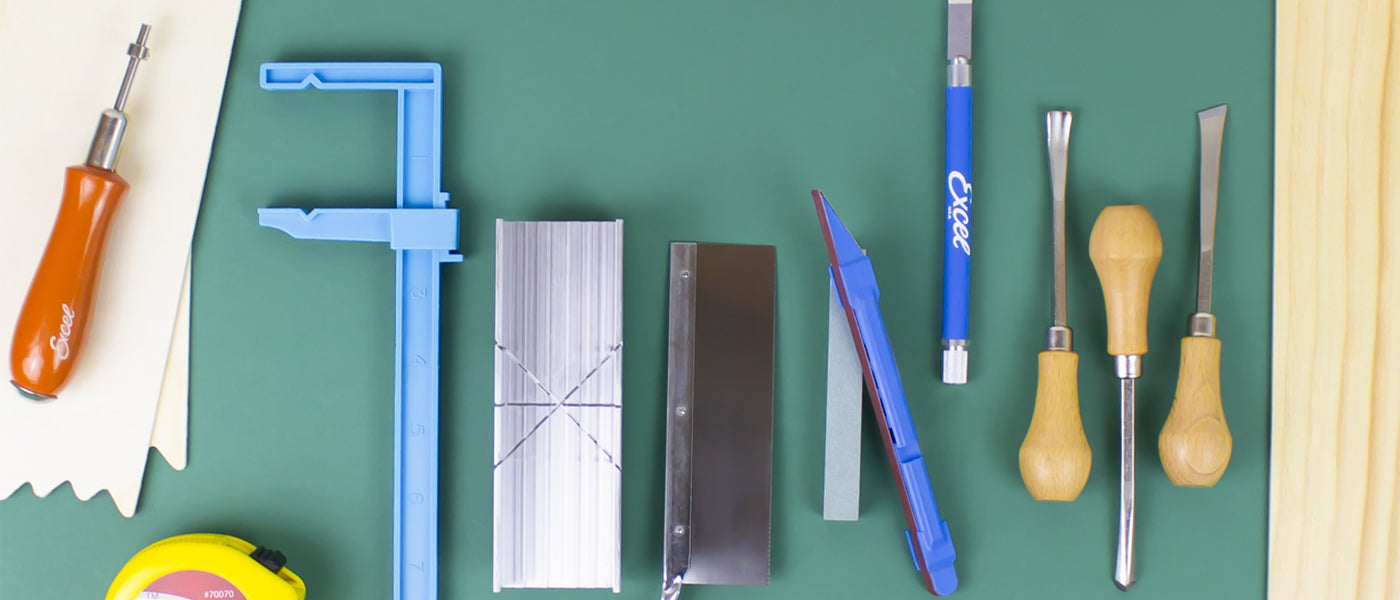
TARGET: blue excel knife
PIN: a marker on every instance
(957, 224)
(928, 537)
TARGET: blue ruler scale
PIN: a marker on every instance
(957, 226)
(423, 233)
(928, 537)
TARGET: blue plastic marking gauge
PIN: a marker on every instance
(423, 232)
(928, 537)
(957, 189)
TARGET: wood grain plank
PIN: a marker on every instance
(1333, 531)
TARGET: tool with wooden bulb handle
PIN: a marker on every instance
(1055, 457)
(1195, 443)
(57, 311)
(1125, 246)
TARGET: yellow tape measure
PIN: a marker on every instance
(206, 567)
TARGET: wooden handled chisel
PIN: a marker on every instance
(1195, 442)
(1125, 247)
(1055, 456)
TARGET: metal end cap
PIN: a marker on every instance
(955, 365)
(31, 394)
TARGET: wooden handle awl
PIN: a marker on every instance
(1055, 457)
(1195, 443)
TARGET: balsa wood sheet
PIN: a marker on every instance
(1334, 522)
(130, 392)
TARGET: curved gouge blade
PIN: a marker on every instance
(1057, 128)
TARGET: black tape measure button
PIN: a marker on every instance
(267, 557)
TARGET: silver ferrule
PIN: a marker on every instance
(959, 72)
(1059, 337)
(107, 141)
(1203, 324)
(1128, 366)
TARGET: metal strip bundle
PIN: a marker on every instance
(558, 405)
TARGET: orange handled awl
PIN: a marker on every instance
(56, 311)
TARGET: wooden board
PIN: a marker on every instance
(1334, 527)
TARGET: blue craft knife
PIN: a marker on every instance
(957, 219)
(928, 537)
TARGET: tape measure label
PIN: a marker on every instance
(191, 585)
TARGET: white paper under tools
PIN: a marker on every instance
(171, 430)
(97, 433)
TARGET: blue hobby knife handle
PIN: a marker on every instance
(957, 230)
(931, 532)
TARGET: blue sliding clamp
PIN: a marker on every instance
(928, 537)
(423, 232)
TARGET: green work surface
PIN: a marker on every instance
(711, 121)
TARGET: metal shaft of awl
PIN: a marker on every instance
(1129, 368)
(1123, 573)
(138, 52)
(107, 140)
(1212, 131)
(1057, 127)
